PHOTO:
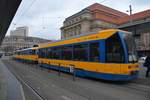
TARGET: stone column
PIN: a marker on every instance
(85, 26)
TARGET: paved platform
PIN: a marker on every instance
(10, 87)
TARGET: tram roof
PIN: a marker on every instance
(104, 34)
(33, 48)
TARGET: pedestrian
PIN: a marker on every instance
(147, 64)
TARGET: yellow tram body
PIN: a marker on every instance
(102, 70)
(106, 62)
(27, 55)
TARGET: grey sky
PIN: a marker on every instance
(45, 17)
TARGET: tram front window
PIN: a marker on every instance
(130, 43)
(114, 50)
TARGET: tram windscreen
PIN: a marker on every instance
(131, 48)
(114, 50)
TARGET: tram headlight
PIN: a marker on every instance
(129, 67)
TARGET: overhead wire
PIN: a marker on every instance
(102, 1)
(26, 10)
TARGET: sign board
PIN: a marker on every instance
(71, 68)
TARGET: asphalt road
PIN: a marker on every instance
(45, 84)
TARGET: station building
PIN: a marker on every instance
(20, 31)
(98, 17)
(19, 39)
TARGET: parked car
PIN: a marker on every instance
(142, 60)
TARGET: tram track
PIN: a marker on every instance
(134, 87)
(34, 91)
(130, 85)
(139, 87)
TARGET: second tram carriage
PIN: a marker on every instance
(28, 55)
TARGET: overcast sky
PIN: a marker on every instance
(45, 17)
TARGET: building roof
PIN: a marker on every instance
(103, 8)
(136, 16)
(119, 17)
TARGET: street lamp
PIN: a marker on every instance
(130, 10)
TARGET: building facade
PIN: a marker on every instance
(20, 31)
(98, 17)
(93, 18)
(19, 39)
(140, 28)
(12, 43)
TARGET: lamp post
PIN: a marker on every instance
(130, 10)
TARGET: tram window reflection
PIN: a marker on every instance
(67, 52)
(94, 52)
(114, 50)
(81, 52)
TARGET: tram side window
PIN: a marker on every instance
(81, 52)
(45, 53)
(29, 52)
(33, 52)
(56, 53)
(67, 53)
(94, 52)
(42, 53)
(19, 53)
(23, 52)
(39, 53)
(49, 53)
(114, 50)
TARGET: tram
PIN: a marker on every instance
(28, 55)
(107, 54)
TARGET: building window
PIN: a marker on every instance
(75, 31)
(76, 19)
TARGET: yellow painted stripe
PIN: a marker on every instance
(100, 35)
(27, 57)
(109, 68)
(33, 48)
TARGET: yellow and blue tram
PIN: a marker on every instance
(108, 54)
(28, 55)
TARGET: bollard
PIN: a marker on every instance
(49, 70)
(59, 72)
(37, 65)
(40, 64)
(41, 68)
(73, 71)
(74, 75)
